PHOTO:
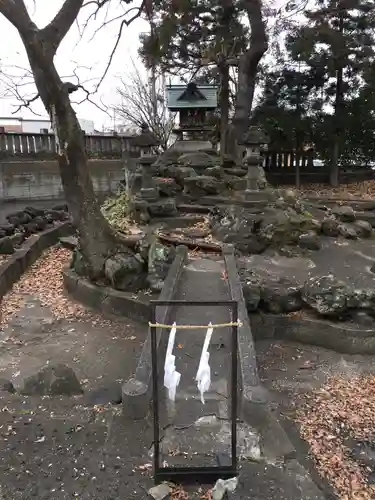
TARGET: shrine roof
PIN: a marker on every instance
(191, 96)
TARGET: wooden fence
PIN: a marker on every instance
(277, 160)
(23, 145)
(280, 168)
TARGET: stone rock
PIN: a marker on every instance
(181, 173)
(310, 241)
(251, 292)
(160, 492)
(330, 227)
(52, 380)
(78, 263)
(61, 208)
(168, 186)
(69, 242)
(272, 294)
(7, 228)
(249, 245)
(17, 239)
(348, 231)
(125, 271)
(280, 296)
(57, 215)
(169, 157)
(18, 218)
(236, 183)
(214, 172)
(160, 258)
(285, 227)
(344, 213)
(109, 394)
(362, 318)
(203, 185)
(368, 216)
(361, 299)
(162, 208)
(246, 244)
(30, 228)
(6, 386)
(34, 212)
(6, 245)
(326, 295)
(40, 222)
(232, 220)
(236, 171)
(363, 228)
(196, 159)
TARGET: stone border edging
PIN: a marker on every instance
(337, 337)
(137, 391)
(12, 269)
(105, 299)
(254, 400)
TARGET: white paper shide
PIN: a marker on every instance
(171, 376)
(203, 377)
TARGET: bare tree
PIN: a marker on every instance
(97, 239)
(140, 106)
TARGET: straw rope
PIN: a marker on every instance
(198, 327)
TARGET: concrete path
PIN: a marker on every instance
(194, 434)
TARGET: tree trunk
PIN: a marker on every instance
(96, 238)
(334, 172)
(224, 110)
(248, 68)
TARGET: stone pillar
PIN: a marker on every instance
(149, 192)
(255, 175)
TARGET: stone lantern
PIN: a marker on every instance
(145, 142)
(254, 141)
(149, 191)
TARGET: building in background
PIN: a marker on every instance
(37, 125)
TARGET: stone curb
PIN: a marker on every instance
(137, 391)
(105, 299)
(338, 337)
(12, 269)
(254, 399)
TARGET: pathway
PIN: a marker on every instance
(197, 432)
(194, 434)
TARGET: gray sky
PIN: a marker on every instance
(87, 56)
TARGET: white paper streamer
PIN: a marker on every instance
(203, 377)
(171, 376)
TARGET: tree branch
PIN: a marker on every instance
(16, 13)
(124, 23)
(56, 30)
(26, 104)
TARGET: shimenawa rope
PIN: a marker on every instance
(198, 327)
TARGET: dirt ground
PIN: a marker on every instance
(62, 448)
(326, 399)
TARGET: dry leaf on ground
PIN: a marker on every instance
(364, 190)
(343, 408)
(45, 282)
